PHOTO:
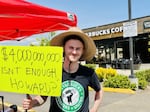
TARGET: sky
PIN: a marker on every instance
(92, 13)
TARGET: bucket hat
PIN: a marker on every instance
(89, 45)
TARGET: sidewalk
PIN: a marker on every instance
(127, 72)
(119, 102)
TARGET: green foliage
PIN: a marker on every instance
(111, 79)
(143, 78)
(43, 41)
(92, 66)
(119, 81)
(147, 75)
(104, 73)
(142, 84)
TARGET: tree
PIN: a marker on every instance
(44, 41)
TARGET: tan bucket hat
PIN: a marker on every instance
(90, 48)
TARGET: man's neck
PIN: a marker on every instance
(70, 67)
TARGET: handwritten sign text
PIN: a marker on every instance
(32, 70)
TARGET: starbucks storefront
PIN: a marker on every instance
(113, 48)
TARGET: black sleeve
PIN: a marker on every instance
(94, 82)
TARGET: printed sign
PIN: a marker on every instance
(31, 69)
(130, 29)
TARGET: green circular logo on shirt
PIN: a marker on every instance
(72, 96)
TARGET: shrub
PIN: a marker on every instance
(142, 84)
(119, 81)
(147, 75)
(105, 73)
(92, 66)
(143, 78)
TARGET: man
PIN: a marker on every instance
(76, 78)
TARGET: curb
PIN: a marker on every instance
(117, 90)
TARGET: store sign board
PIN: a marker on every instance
(146, 24)
(107, 31)
(130, 29)
(33, 70)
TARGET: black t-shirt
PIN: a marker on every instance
(75, 94)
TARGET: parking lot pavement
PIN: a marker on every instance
(109, 98)
(112, 101)
(116, 102)
(17, 99)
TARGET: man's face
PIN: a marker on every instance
(73, 50)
